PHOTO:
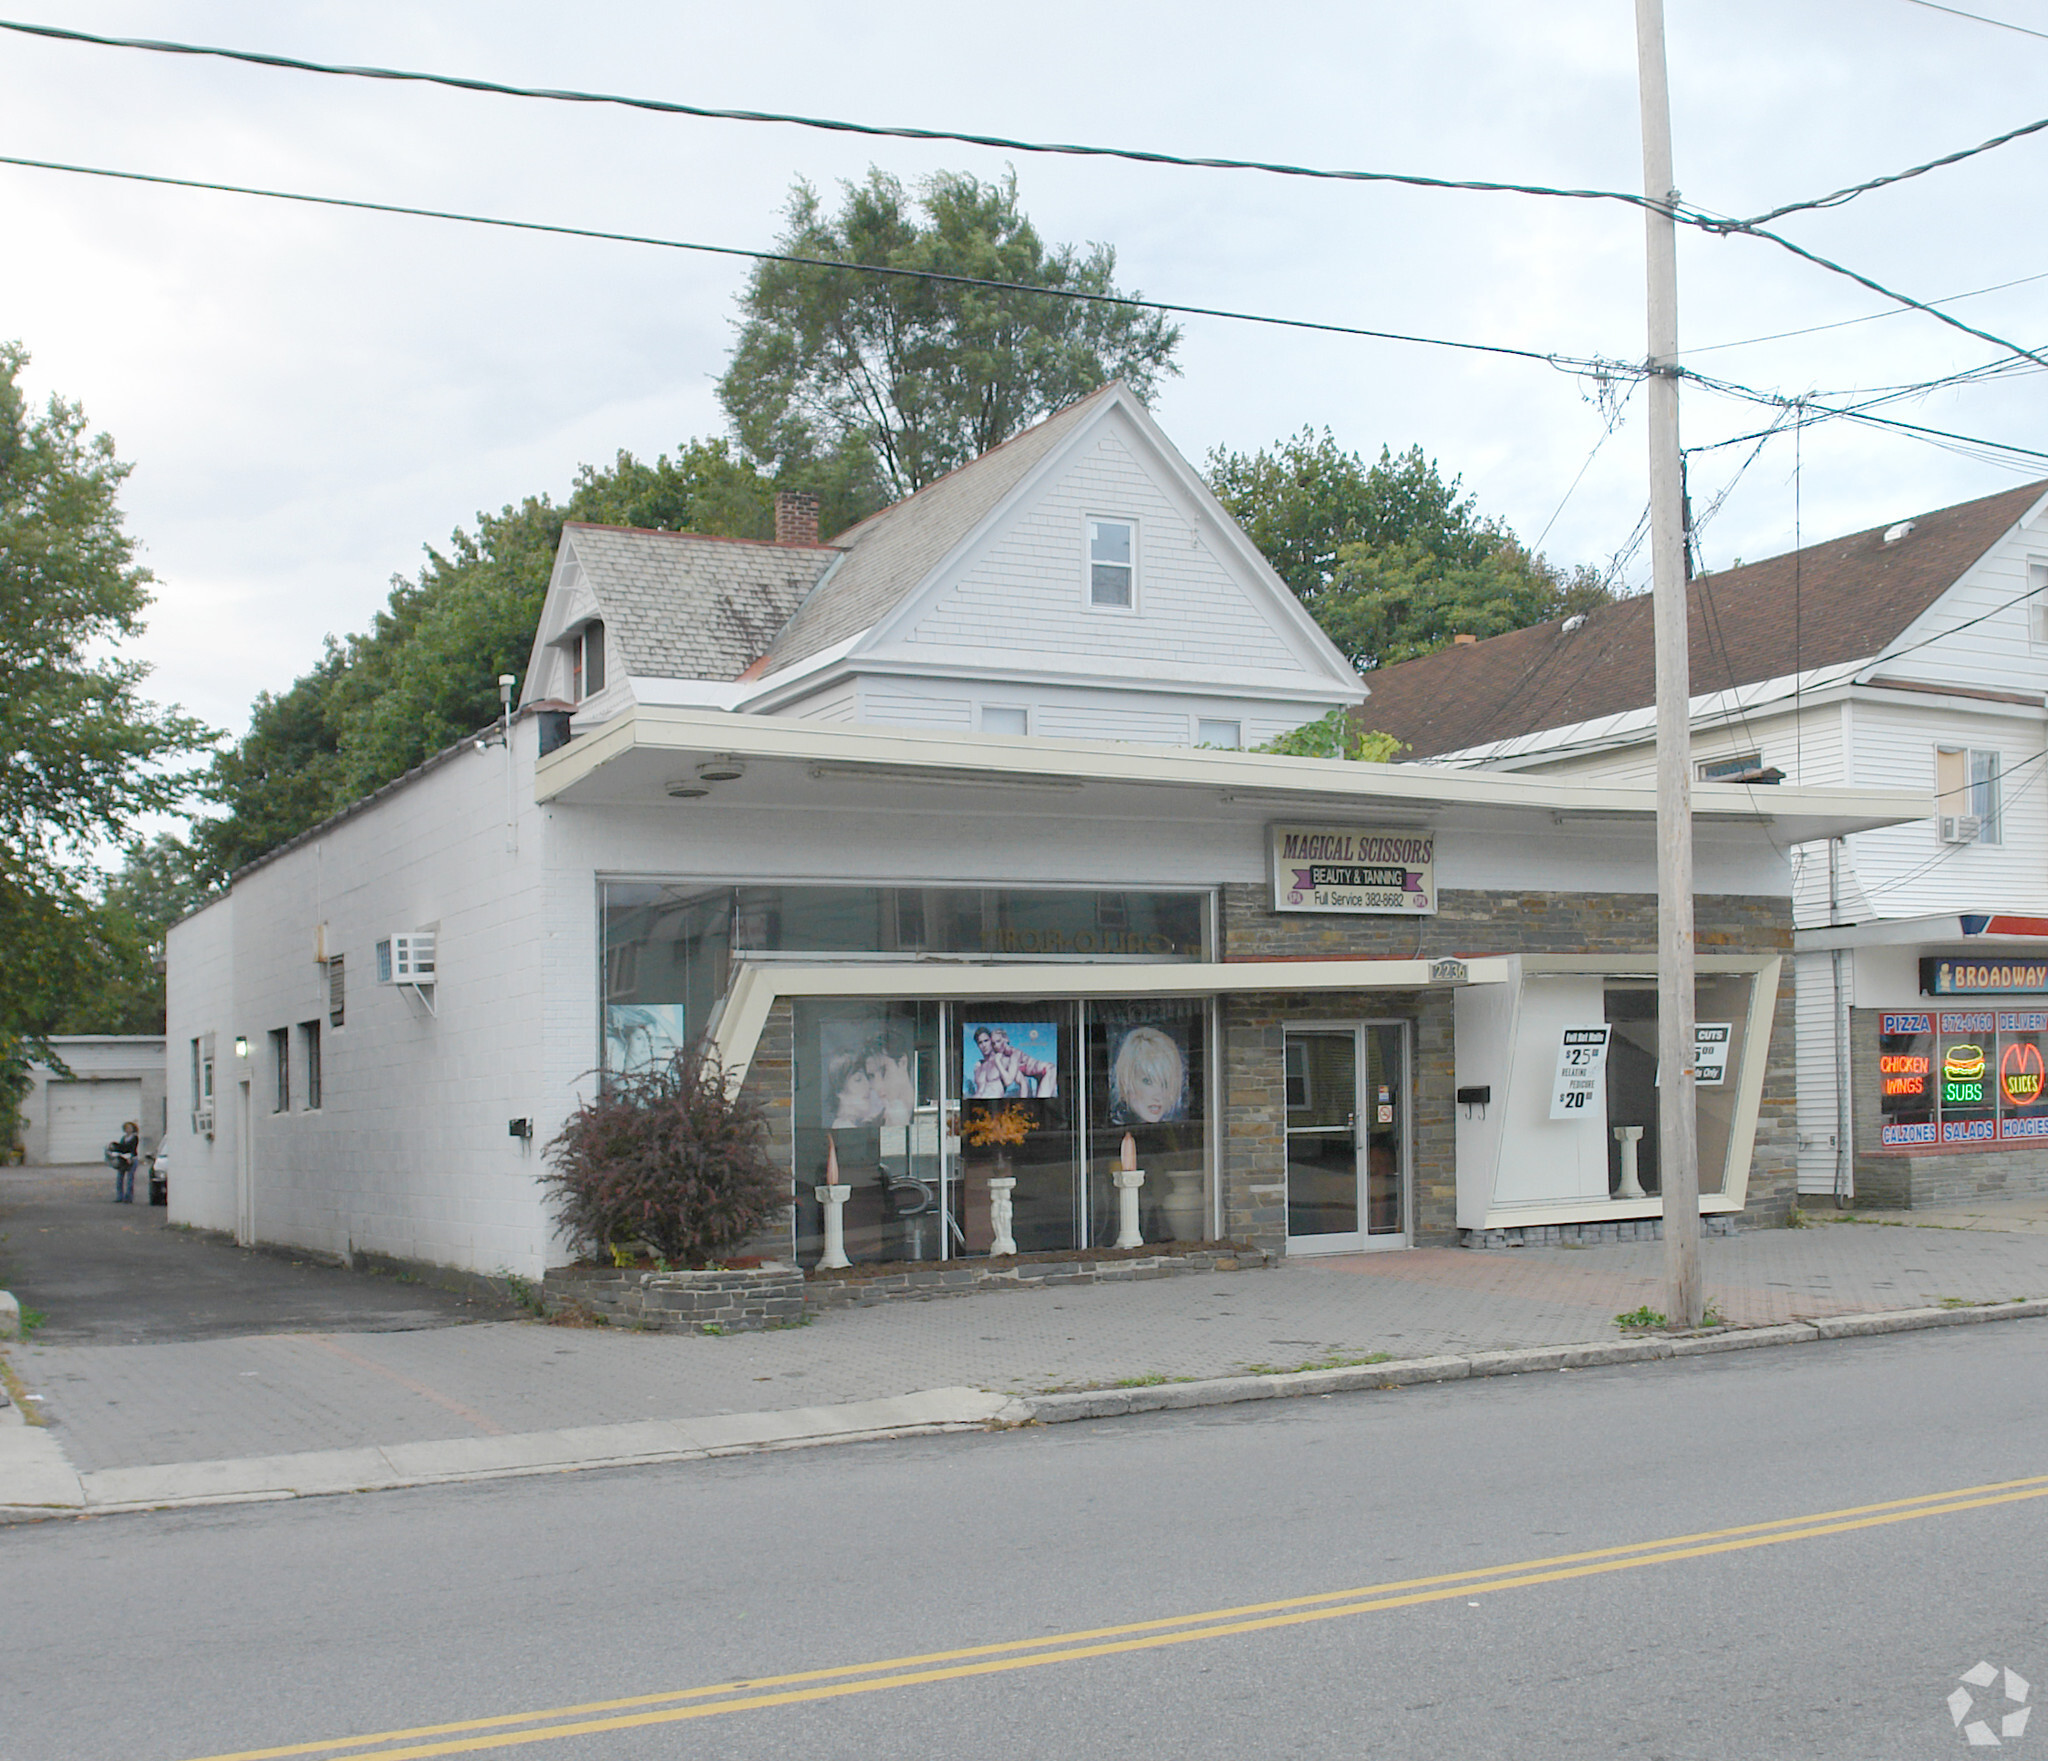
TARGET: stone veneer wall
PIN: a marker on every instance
(771, 1081)
(1915, 1179)
(1468, 924)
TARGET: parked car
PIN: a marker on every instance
(160, 1178)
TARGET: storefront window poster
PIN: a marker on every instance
(870, 1073)
(639, 1037)
(1148, 1074)
(1009, 1060)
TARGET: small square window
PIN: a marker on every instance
(1219, 733)
(1112, 563)
(1001, 718)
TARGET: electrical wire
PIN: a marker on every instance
(1933, 862)
(1979, 18)
(1867, 318)
(833, 125)
(1776, 400)
(1002, 143)
(1568, 363)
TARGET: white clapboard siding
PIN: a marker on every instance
(1906, 870)
(1111, 721)
(1979, 635)
(903, 709)
(1025, 594)
(1814, 1014)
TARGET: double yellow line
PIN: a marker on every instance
(512, 1729)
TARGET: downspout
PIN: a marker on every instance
(505, 683)
(1845, 1160)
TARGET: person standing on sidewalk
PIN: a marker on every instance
(125, 1150)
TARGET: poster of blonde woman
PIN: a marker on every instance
(1148, 1076)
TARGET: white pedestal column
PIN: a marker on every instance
(833, 1198)
(1001, 1213)
(1630, 1137)
(1128, 1180)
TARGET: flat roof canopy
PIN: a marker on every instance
(631, 760)
(759, 984)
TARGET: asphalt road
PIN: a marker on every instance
(485, 1614)
(106, 1274)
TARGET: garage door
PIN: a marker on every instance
(87, 1116)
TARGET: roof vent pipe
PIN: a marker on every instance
(796, 518)
(1577, 621)
(1904, 529)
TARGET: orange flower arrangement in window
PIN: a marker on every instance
(1002, 1126)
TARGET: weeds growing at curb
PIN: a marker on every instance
(1335, 1360)
(1641, 1320)
(29, 1409)
(525, 1293)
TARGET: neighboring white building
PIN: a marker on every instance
(807, 801)
(1911, 656)
(71, 1115)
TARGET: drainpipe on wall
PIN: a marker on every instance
(505, 682)
(1845, 1159)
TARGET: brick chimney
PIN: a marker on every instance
(1457, 641)
(796, 518)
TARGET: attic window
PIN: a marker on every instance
(1113, 563)
(586, 661)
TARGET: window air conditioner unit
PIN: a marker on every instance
(406, 958)
(1960, 828)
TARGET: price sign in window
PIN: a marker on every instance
(1580, 1091)
(1907, 1089)
(1967, 1049)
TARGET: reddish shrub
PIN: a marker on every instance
(671, 1156)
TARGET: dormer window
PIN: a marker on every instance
(586, 661)
(1113, 564)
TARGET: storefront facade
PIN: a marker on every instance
(1945, 1027)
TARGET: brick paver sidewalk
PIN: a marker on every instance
(121, 1406)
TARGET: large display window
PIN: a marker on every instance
(1962, 1078)
(669, 946)
(922, 1110)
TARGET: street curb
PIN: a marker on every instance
(1104, 1403)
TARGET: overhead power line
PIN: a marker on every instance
(1137, 155)
(1568, 363)
(831, 125)
(1867, 318)
(1685, 213)
(1979, 18)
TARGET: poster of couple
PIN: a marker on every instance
(1009, 1060)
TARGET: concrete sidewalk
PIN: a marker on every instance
(275, 1414)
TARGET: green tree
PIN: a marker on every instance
(1389, 559)
(914, 378)
(157, 883)
(425, 673)
(82, 755)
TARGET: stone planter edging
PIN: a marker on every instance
(741, 1300)
(969, 1277)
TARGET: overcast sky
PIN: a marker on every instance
(309, 396)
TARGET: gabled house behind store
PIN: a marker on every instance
(1078, 581)
(1913, 656)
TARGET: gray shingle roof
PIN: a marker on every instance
(889, 553)
(680, 606)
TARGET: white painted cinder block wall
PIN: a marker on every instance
(409, 1153)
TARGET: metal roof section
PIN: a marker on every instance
(631, 761)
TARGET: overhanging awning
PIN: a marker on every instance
(759, 984)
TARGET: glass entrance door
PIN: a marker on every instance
(1347, 1137)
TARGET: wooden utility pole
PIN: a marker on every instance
(1678, 1163)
